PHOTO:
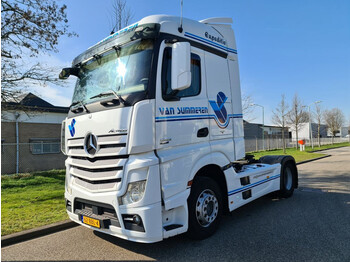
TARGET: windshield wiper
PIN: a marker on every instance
(111, 92)
(82, 104)
(103, 94)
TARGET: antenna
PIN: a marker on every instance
(180, 27)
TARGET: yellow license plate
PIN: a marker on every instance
(90, 221)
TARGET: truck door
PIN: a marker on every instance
(181, 117)
(219, 96)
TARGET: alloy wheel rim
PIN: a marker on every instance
(207, 208)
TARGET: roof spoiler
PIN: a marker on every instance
(217, 20)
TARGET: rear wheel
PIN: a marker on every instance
(288, 177)
(204, 208)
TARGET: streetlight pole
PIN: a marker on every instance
(263, 125)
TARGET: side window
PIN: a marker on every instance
(193, 90)
(40, 146)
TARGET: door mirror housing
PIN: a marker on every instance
(66, 72)
(181, 66)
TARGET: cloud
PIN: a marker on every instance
(55, 95)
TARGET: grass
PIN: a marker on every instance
(297, 154)
(31, 200)
(316, 148)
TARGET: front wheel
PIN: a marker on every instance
(204, 208)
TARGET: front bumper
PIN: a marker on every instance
(151, 220)
(149, 208)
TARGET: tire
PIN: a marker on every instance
(205, 195)
(288, 180)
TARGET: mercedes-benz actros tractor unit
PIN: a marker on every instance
(154, 136)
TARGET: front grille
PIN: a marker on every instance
(109, 186)
(104, 171)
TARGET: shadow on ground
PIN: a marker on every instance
(310, 226)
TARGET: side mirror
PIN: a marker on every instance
(66, 72)
(181, 66)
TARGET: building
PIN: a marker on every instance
(342, 132)
(253, 136)
(304, 131)
(253, 130)
(30, 135)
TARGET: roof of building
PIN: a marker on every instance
(31, 102)
(260, 125)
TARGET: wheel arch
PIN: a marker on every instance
(283, 160)
(215, 173)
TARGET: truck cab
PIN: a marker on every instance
(154, 136)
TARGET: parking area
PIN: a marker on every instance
(313, 225)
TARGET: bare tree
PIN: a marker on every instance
(305, 116)
(278, 117)
(121, 15)
(334, 119)
(247, 108)
(28, 28)
(349, 128)
(297, 116)
(319, 118)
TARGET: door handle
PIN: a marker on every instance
(203, 132)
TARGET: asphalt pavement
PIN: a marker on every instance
(312, 225)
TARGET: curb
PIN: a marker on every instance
(327, 149)
(310, 160)
(36, 232)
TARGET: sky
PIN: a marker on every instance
(284, 47)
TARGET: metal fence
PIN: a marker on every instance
(46, 155)
(34, 156)
(257, 144)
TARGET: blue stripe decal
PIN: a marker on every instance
(209, 42)
(188, 116)
(191, 117)
(171, 120)
(252, 185)
(235, 115)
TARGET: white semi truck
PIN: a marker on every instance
(154, 136)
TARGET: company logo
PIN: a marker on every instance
(220, 112)
(71, 127)
(90, 144)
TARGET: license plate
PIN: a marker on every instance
(90, 221)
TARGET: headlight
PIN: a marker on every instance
(63, 137)
(135, 192)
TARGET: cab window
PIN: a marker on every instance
(193, 90)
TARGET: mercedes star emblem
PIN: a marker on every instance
(90, 144)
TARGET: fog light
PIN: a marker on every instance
(68, 205)
(137, 219)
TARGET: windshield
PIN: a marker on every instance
(122, 70)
